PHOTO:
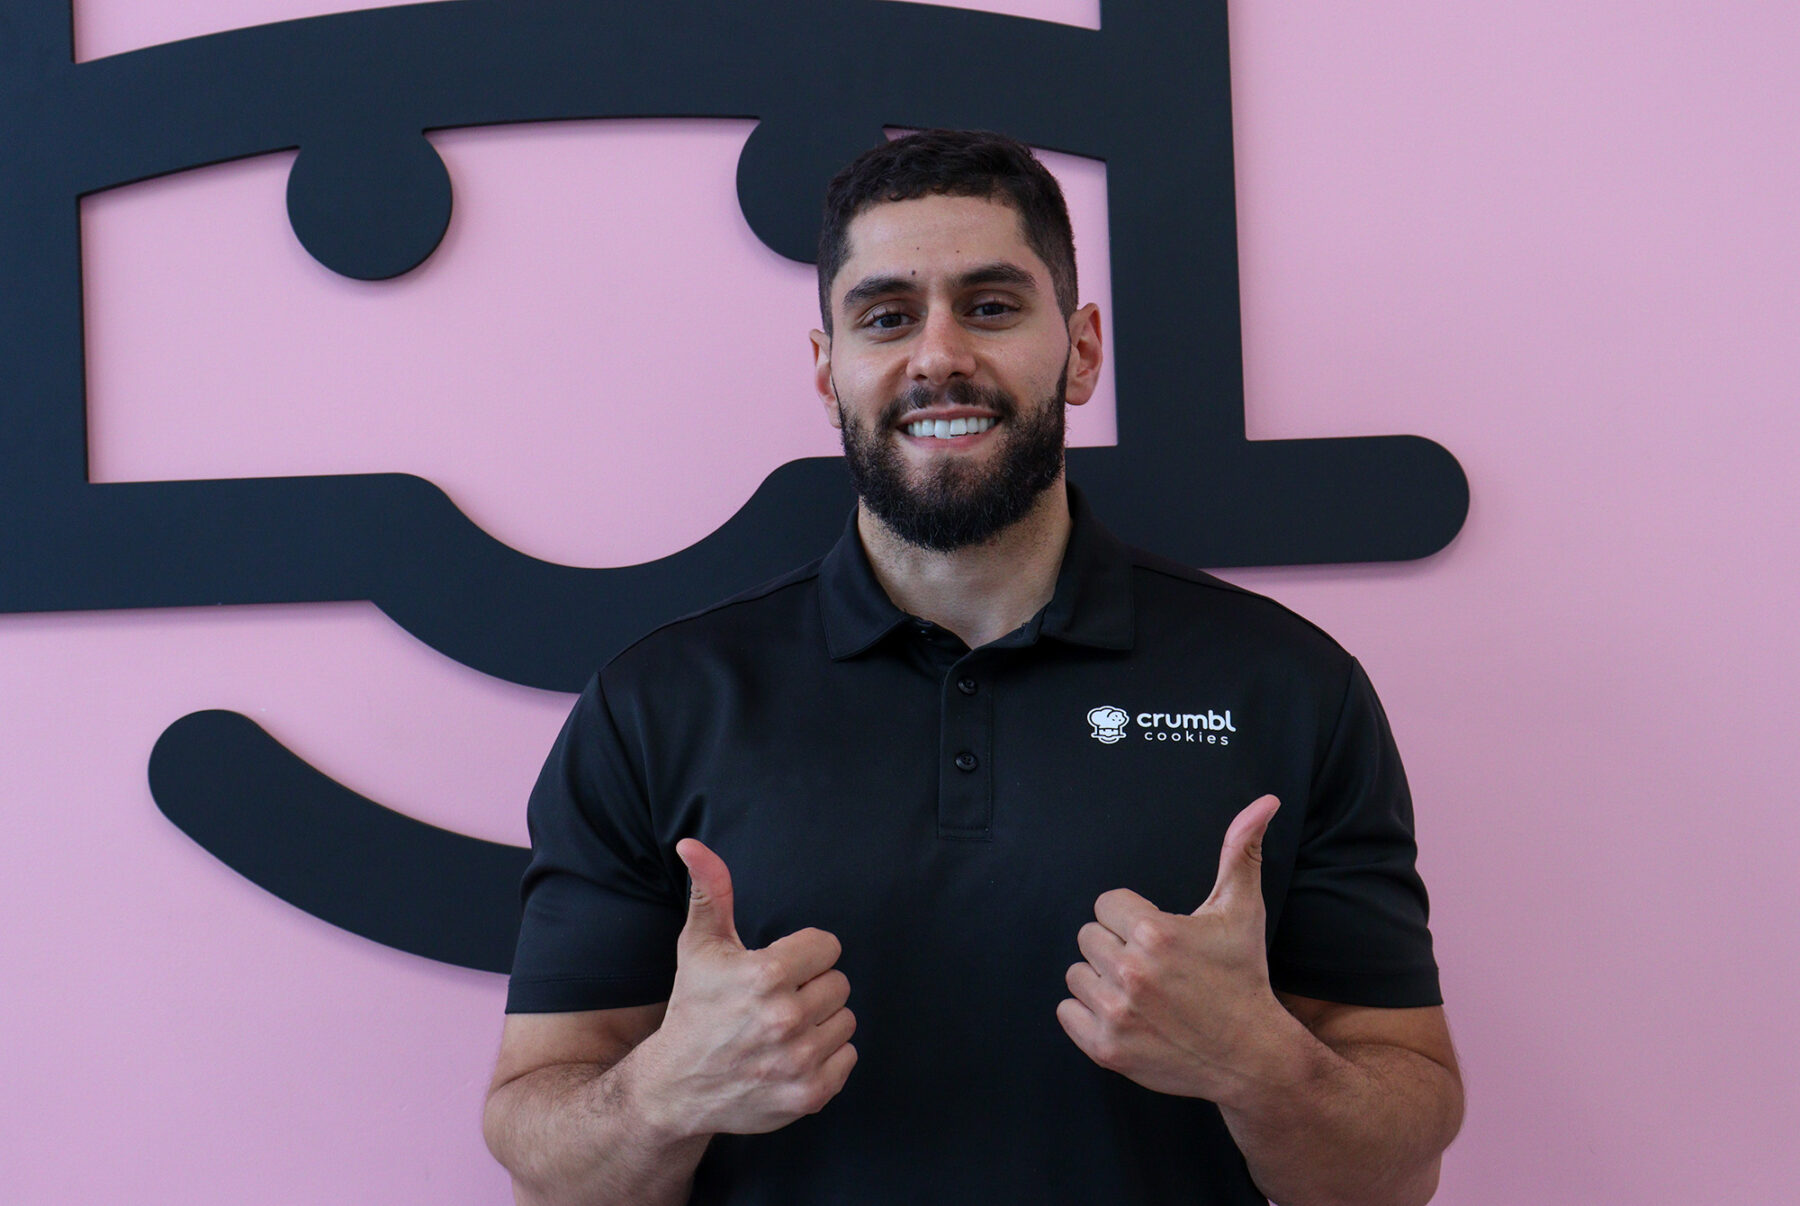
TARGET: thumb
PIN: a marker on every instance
(1240, 859)
(709, 897)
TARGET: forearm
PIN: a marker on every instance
(1358, 1125)
(577, 1134)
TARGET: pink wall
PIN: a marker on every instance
(1559, 238)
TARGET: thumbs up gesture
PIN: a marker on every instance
(1179, 1003)
(751, 1040)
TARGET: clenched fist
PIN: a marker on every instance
(751, 1040)
(1181, 1003)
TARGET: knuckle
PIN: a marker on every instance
(1133, 976)
(814, 1096)
(781, 1018)
(767, 975)
(1150, 934)
(787, 1067)
(1114, 1012)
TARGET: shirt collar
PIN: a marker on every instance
(1091, 604)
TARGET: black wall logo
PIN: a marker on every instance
(369, 198)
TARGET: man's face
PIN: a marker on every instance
(945, 321)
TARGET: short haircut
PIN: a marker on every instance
(951, 163)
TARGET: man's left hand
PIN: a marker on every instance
(1181, 1003)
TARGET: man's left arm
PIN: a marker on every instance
(1375, 1098)
(1332, 1105)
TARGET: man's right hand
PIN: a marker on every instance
(752, 1040)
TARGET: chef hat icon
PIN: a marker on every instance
(1109, 723)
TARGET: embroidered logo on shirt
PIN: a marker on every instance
(1201, 728)
(1209, 727)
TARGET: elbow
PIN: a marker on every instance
(1429, 1184)
(1416, 1189)
(507, 1128)
(493, 1126)
(1423, 1188)
(499, 1131)
(1416, 1192)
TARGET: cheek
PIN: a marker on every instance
(862, 390)
(1046, 374)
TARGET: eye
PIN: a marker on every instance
(887, 320)
(992, 308)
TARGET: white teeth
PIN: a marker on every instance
(947, 429)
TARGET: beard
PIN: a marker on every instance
(957, 504)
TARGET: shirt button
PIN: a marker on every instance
(965, 761)
(966, 686)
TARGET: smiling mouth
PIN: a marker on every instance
(948, 429)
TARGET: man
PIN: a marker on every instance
(927, 766)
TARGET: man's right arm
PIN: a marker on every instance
(618, 1105)
(569, 1120)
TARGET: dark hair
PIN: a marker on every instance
(951, 163)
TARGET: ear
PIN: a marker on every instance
(1085, 354)
(821, 346)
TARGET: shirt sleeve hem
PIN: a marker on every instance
(1397, 989)
(569, 994)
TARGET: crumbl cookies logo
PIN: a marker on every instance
(1205, 728)
(1109, 724)
(1200, 728)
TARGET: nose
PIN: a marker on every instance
(942, 349)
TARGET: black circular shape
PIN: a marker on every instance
(967, 686)
(965, 761)
(783, 170)
(371, 208)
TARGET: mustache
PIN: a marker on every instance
(919, 396)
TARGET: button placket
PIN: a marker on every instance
(965, 748)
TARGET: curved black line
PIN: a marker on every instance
(399, 541)
(284, 826)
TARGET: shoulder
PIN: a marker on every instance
(1172, 599)
(763, 621)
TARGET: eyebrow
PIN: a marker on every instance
(1000, 272)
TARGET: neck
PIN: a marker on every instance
(981, 592)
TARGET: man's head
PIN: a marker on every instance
(952, 342)
(951, 163)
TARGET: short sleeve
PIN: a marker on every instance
(1353, 923)
(600, 914)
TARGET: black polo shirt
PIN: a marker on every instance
(951, 815)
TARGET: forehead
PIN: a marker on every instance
(935, 237)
